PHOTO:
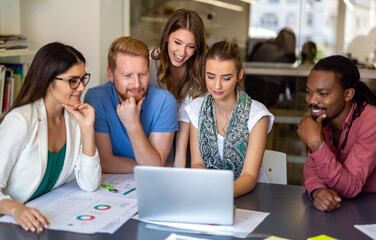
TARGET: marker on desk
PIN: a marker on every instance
(111, 189)
(129, 191)
(37, 225)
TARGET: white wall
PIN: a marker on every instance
(111, 25)
(88, 25)
(9, 17)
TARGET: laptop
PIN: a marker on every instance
(185, 195)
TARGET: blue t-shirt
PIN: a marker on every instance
(158, 114)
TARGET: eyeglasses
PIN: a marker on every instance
(75, 82)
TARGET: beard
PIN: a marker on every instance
(326, 120)
(123, 94)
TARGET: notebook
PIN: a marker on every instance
(185, 195)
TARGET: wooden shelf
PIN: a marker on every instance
(15, 53)
(287, 116)
(294, 70)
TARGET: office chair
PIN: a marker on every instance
(274, 164)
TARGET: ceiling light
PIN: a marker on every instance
(249, 1)
(349, 4)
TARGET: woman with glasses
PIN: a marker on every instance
(47, 137)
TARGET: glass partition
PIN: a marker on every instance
(281, 40)
(250, 22)
(360, 32)
(284, 27)
(229, 22)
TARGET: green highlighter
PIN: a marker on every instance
(111, 189)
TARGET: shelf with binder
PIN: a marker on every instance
(16, 53)
(11, 79)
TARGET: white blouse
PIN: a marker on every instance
(257, 111)
(182, 114)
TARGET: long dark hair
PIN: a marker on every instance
(348, 76)
(51, 60)
(191, 21)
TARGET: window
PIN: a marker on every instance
(360, 32)
(310, 19)
(269, 20)
(318, 23)
(291, 20)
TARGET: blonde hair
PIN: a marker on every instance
(129, 46)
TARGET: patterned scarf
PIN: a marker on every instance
(236, 136)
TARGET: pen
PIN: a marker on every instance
(111, 189)
(129, 191)
(37, 225)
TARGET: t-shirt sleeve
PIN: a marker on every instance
(101, 121)
(182, 114)
(153, 71)
(258, 110)
(193, 111)
(167, 120)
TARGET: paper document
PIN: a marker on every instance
(174, 236)
(367, 229)
(121, 182)
(68, 208)
(245, 222)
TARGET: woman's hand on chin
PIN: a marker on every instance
(83, 113)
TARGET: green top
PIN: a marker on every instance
(55, 163)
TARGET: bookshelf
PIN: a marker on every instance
(8, 57)
(10, 23)
(12, 76)
(17, 53)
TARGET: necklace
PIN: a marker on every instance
(222, 130)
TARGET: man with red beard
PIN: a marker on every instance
(340, 134)
(135, 122)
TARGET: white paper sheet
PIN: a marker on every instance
(174, 236)
(121, 182)
(245, 222)
(368, 229)
(68, 208)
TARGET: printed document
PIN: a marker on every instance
(245, 222)
(68, 208)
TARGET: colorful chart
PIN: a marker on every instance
(85, 217)
(102, 207)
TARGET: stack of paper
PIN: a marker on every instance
(245, 222)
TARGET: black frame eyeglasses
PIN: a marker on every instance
(74, 82)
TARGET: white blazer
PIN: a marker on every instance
(24, 153)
